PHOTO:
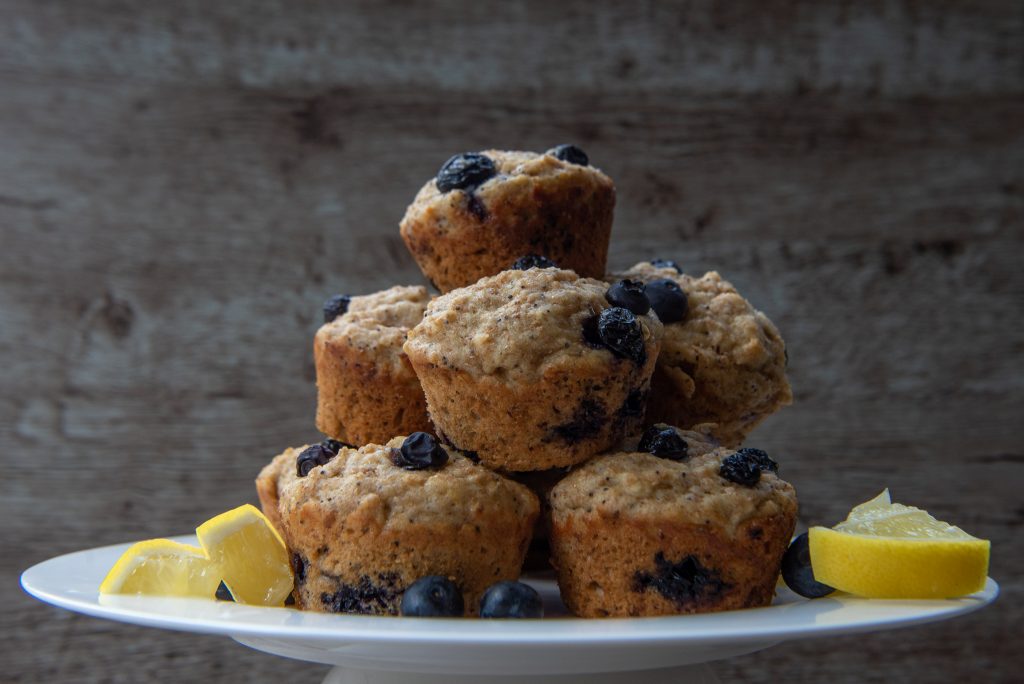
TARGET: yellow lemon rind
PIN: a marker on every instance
(218, 527)
(891, 567)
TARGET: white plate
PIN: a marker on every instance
(464, 646)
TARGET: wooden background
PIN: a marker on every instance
(182, 183)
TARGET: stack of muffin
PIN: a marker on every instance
(537, 399)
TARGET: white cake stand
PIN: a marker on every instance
(558, 649)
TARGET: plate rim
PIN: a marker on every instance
(555, 633)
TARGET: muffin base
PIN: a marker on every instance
(560, 421)
(361, 403)
(628, 568)
(464, 236)
(352, 568)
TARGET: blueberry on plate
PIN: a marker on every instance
(511, 600)
(223, 593)
(571, 154)
(432, 596)
(419, 451)
(663, 441)
(797, 571)
(336, 306)
(629, 294)
(668, 300)
(529, 261)
(465, 172)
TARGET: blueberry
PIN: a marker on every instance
(760, 458)
(664, 442)
(432, 596)
(668, 300)
(685, 583)
(511, 600)
(629, 294)
(620, 331)
(336, 306)
(299, 565)
(419, 451)
(797, 571)
(465, 172)
(223, 593)
(571, 154)
(532, 261)
(741, 469)
(666, 263)
(311, 457)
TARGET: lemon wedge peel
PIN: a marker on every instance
(161, 567)
(887, 550)
(251, 555)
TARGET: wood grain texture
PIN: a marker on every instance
(181, 184)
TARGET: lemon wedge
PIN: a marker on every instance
(161, 567)
(251, 556)
(888, 550)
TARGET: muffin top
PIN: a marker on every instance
(517, 325)
(720, 327)
(692, 490)
(367, 484)
(377, 323)
(515, 174)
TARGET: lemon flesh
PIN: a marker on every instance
(251, 556)
(161, 567)
(887, 550)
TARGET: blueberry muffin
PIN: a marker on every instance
(366, 389)
(485, 210)
(682, 526)
(722, 361)
(369, 522)
(534, 369)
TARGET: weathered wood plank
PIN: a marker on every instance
(899, 48)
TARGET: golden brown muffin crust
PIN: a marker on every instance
(633, 534)
(517, 325)
(510, 374)
(362, 529)
(535, 204)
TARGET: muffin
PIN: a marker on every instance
(371, 521)
(533, 369)
(483, 211)
(694, 529)
(722, 361)
(366, 389)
